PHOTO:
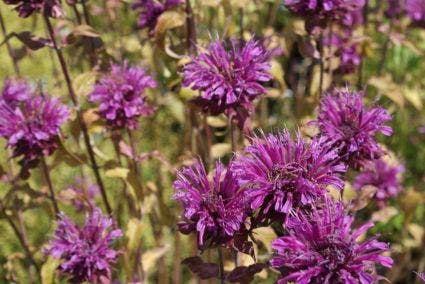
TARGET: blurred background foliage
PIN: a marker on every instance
(392, 70)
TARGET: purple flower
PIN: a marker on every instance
(215, 209)
(394, 9)
(121, 96)
(421, 276)
(382, 176)
(282, 175)
(82, 194)
(229, 77)
(32, 128)
(85, 252)
(14, 92)
(349, 125)
(322, 247)
(415, 9)
(150, 10)
(320, 13)
(50, 8)
(350, 59)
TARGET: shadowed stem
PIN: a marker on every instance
(241, 28)
(81, 121)
(322, 64)
(365, 25)
(9, 47)
(21, 238)
(190, 29)
(209, 140)
(221, 264)
(232, 130)
(50, 186)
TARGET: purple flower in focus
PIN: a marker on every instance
(229, 79)
(322, 247)
(348, 124)
(49, 8)
(320, 13)
(14, 92)
(85, 252)
(415, 9)
(382, 176)
(32, 128)
(282, 175)
(121, 96)
(215, 209)
(150, 10)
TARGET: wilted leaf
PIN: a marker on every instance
(385, 214)
(265, 235)
(414, 97)
(151, 257)
(245, 274)
(217, 121)
(169, 20)
(387, 87)
(29, 40)
(200, 268)
(277, 72)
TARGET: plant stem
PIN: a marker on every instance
(9, 47)
(232, 134)
(81, 121)
(221, 264)
(365, 25)
(21, 238)
(191, 29)
(50, 186)
(322, 64)
(209, 140)
(241, 28)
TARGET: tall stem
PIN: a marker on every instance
(221, 264)
(322, 64)
(9, 47)
(191, 29)
(80, 119)
(365, 25)
(20, 237)
(50, 186)
(232, 131)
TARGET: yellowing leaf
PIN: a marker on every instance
(117, 172)
(265, 235)
(219, 150)
(151, 257)
(83, 83)
(414, 97)
(169, 20)
(277, 72)
(133, 234)
(48, 270)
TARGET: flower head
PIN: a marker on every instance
(320, 13)
(322, 247)
(415, 9)
(150, 10)
(215, 209)
(121, 96)
(50, 8)
(85, 252)
(348, 124)
(394, 9)
(32, 128)
(229, 79)
(383, 176)
(81, 194)
(282, 175)
(14, 92)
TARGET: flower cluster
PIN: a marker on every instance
(215, 209)
(85, 252)
(322, 247)
(230, 80)
(121, 96)
(345, 122)
(321, 13)
(282, 175)
(31, 123)
(415, 10)
(383, 176)
(49, 8)
(150, 10)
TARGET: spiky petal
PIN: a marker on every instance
(322, 247)
(121, 96)
(345, 122)
(85, 252)
(215, 209)
(229, 77)
(282, 174)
